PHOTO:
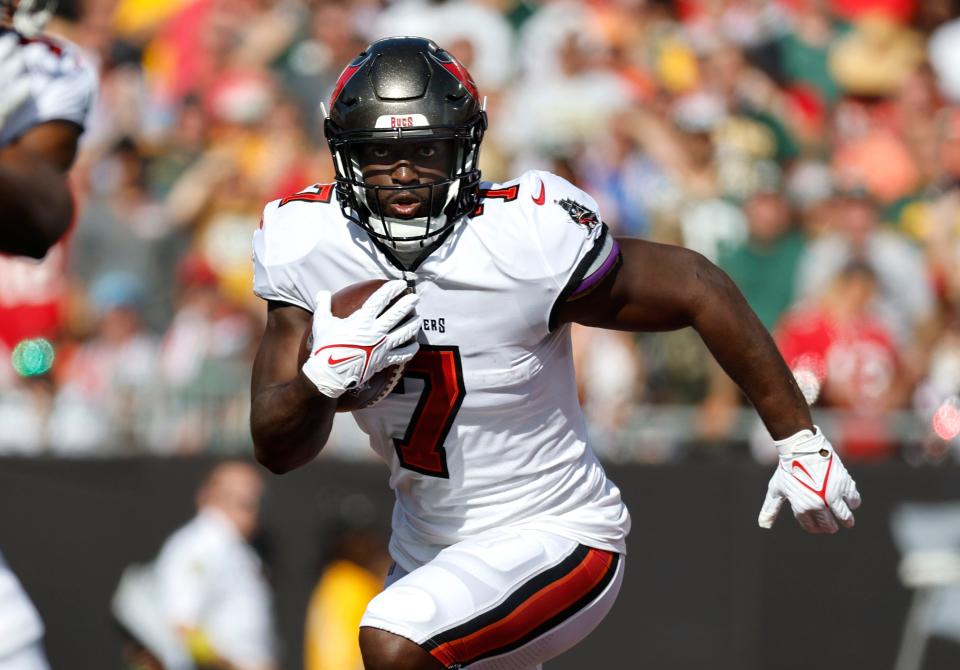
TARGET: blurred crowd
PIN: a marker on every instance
(811, 148)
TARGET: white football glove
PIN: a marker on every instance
(346, 353)
(811, 477)
(14, 83)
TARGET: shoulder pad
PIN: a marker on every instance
(291, 226)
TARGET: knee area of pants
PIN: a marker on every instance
(405, 603)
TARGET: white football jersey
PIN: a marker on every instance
(63, 86)
(20, 624)
(209, 578)
(484, 429)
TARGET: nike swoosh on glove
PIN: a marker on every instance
(812, 479)
(13, 80)
(348, 352)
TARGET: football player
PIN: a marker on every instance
(508, 538)
(46, 94)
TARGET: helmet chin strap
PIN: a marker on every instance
(397, 229)
(410, 254)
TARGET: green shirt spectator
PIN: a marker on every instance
(764, 267)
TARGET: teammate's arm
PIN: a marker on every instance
(290, 422)
(53, 142)
(36, 205)
(34, 193)
(662, 287)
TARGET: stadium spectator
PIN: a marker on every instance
(905, 300)
(202, 363)
(96, 407)
(844, 356)
(765, 266)
(124, 229)
(610, 377)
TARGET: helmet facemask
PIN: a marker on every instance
(445, 196)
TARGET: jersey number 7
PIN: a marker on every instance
(421, 448)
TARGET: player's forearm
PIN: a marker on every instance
(36, 205)
(745, 350)
(290, 423)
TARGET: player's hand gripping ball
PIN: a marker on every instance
(360, 340)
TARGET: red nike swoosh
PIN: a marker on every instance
(822, 493)
(335, 361)
(540, 198)
(366, 351)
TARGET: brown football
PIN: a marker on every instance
(343, 303)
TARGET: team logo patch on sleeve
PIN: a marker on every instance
(581, 215)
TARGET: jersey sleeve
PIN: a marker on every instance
(577, 248)
(67, 87)
(279, 250)
(63, 87)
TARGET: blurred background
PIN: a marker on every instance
(811, 148)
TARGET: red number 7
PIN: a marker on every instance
(421, 448)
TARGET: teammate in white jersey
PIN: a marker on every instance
(507, 536)
(45, 96)
(48, 90)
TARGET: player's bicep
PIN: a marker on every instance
(654, 287)
(276, 359)
(55, 142)
(35, 196)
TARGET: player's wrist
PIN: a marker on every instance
(802, 442)
(319, 383)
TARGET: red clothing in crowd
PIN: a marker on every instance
(854, 361)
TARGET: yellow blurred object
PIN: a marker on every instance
(200, 648)
(677, 66)
(915, 220)
(744, 136)
(235, 283)
(333, 617)
(875, 57)
(159, 62)
(133, 18)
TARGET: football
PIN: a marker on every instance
(343, 303)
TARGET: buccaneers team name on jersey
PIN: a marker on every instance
(485, 429)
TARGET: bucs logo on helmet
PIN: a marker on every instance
(406, 90)
(581, 215)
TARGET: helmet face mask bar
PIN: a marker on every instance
(29, 17)
(444, 201)
(403, 93)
